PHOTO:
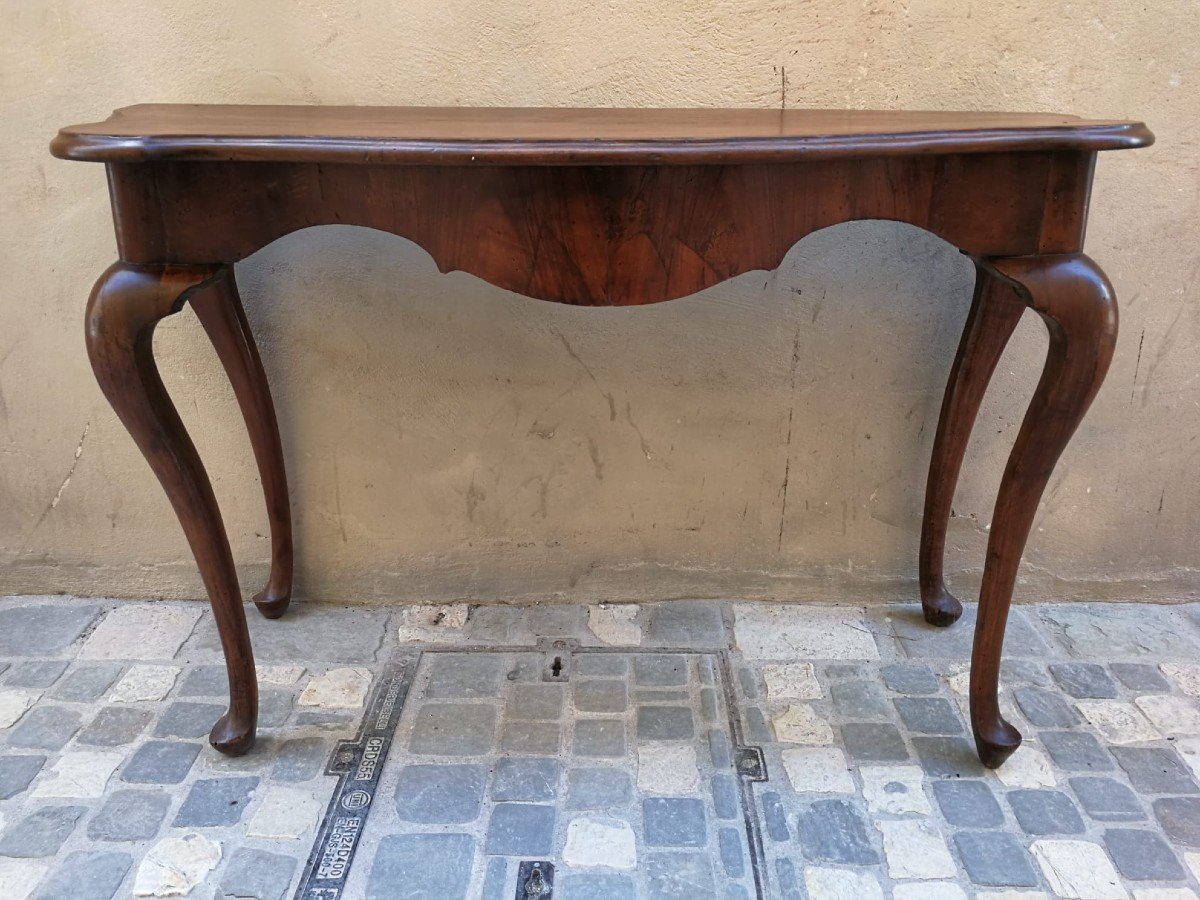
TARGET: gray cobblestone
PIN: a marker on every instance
(1180, 819)
(87, 682)
(968, 804)
(1155, 771)
(17, 771)
(597, 886)
(947, 757)
(601, 665)
(1076, 751)
(757, 729)
(1045, 812)
(464, 676)
(274, 707)
(995, 859)
(747, 683)
(129, 815)
(40, 833)
(535, 702)
(684, 623)
(115, 726)
(928, 715)
(598, 788)
(529, 779)
(45, 728)
(671, 875)
(1084, 680)
(495, 879)
(300, 759)
(874, 742)
(86, 875)
(1107, 800)
(775, 817)
(1140, 677)
(1046, 709)
(909, 678)
(674, 822)
(160, 762)
(258, 874)
(440, 795)
(441, 863)
(37, 673)
(729, 842)
(205, 681)
(186, 719)
(719, 749)
(44, 629)
(520, 829)
(215, 801)
(531, 737)
(665, 723)
(600, 737)
(1142, 855)
(834, 831)
(660, 671)
(606, 696)
(453, 729)
(724, 794)
(789, 884)
(860, 700)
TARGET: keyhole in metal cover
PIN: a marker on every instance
(534, 886)
(556, 668)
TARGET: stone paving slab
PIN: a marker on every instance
(624, 774)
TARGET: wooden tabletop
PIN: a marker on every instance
(531, 136)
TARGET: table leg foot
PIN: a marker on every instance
(219, 308)
(126, 305)
(1075, 300)
(996, 742)
(995, 311)
(940, 607)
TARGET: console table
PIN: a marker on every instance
(598, 207)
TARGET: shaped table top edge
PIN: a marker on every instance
(565, 136)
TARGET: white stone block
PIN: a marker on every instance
(144, 683)
(337, 689)
(78, 773)
(286, 813)
(1028, 767)
(898, 790)
(818, 770)
(799, 724)
(615, 624)
(841, 884)
(432, 623)
(175, 865)
(1163, 894)
(1170, 714)
(929, 890)
(667, 769)
(142, 631)
(278, 674)
(914, 848)
(791, 681)
(1185, 675)
(802, 631)
(1119, 722)
(600, 842)
(13, 704)
(18, 877)
(1079, 870)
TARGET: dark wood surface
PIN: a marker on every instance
(458, 136)
(533, 201)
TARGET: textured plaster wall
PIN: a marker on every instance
(446, 439)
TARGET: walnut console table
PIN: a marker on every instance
(596, 208)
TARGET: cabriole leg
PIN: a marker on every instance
(1076, 301)
(125, 306)
(995, 311)
(220, 311)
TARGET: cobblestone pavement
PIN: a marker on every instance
(616, 743)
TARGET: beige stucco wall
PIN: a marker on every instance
(447, 439)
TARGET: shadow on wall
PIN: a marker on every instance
(766, 437)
